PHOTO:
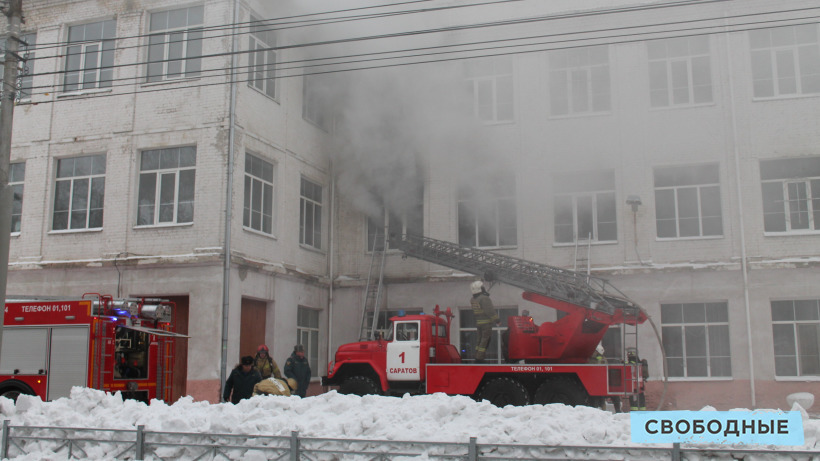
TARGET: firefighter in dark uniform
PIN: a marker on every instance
(638, 403)
(298, 368)
(240, 383)
(485, 318)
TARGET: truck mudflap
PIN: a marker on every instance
(596, 379)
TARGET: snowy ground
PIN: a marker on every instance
(429, 418)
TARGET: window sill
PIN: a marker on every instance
(681, 106)
(168, 82)
(74, 231)
(14, 234)
(797, 378)
(313, 249)
(495, 248)
(785, 97)
(791, 233)
(251, 230)
(690, 379)
(584, 243)
(70, 94)
(579, 115)
(679, 239)
(497, 122)
(163, 226)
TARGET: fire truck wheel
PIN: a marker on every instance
(560, 390)
(12, 391)
(359, 385)
(504, 391)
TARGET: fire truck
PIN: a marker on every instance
(544, 363)
(51, 345)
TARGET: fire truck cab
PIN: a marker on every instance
(52, 345)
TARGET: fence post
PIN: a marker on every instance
(5, 447)
(676, 451)
(472, 449)
(140, 442)
(294, 446)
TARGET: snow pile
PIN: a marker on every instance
(428, 418)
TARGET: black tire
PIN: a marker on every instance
(359, 385)
(561, 390)
(13, 391)
(504, 391)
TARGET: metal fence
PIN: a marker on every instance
(138, 444)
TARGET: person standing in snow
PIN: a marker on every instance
(240, 383)
(264, 363)
(485, 317)
(298, 368)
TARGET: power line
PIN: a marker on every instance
(279, 67)
(624, 41)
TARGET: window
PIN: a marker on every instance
(258, 212)
(17, 173)
(613, 342)
(166, 186)
(383, 322)
(307, 332)
(696, 339)
(785, 61)
(491, 81)
(79, 192)
(680, 72)
(25, 74)
(791, 194)
(262, 59)
(486, 213)
(584, 207)
(175, 44)
(468, 332)
(579, 81)
(796, 333)
(310, 214)
(90, 56)
(687, 201)
(406, 218)
(315, 100)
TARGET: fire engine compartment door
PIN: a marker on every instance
(68, 361)
(404, 353)
(24, 349)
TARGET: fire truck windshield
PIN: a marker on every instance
(131, 354)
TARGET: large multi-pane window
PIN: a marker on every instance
(584, 207)
(796, 332)
(680, 71)
(487, 212)
(89, 59)
(785, 60)
(78, 193)
(491, 81)
(310, 214)
(166, 186)
(791, 194)
(307, 334)
(468, 334)
(258, 211)
(175, 44)
(17, 174)
(262, 57)
(579, 81)
(687, 201)
(696, 339)
(25, 74)
(406, 218)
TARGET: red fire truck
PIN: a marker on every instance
(51, 345)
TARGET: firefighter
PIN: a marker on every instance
(240, 383)
(273, 386)
(298, 368)
(598, 358)
(638, 403)
(265, 364)
(485, 317)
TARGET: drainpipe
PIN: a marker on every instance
(226, 270)
(743, 256)
(331, 230)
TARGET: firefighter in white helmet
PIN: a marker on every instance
(485, 317)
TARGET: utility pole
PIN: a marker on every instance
(14, 11)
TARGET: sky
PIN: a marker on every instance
(428, 418)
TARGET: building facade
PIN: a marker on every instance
(670, 148)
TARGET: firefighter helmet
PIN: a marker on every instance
(261, 348)
(600, 349)
(292, 384)
(476, 287)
